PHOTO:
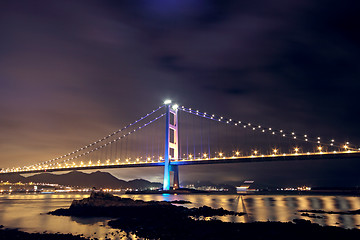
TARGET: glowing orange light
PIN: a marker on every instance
(296, 150)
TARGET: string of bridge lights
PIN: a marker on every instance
(217, 118)
(102, 146)
(98, 141)
(268, 130)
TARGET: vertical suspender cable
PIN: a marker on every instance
(209, 131)
(201, 137)
(192, 118)
(179, 136)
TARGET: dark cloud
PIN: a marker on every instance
(71, 72)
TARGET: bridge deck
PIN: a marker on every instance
(224, 160)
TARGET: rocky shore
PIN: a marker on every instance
(163, 220)
(176, 229)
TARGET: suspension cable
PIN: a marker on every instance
(263, 129)
(111, 142)
(98, 141)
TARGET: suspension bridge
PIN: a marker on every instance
(164, 137)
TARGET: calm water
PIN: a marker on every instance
(28, 212)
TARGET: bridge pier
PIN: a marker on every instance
(171, 145)
(175, 169)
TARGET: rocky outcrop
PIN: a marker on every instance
(104, 200)
(101, 204)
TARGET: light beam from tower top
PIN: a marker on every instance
(167, 101)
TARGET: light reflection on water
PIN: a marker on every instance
(282, 208)
(28, 212)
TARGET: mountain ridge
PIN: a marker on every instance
(96, 179)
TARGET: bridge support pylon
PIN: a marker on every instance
(171, 145)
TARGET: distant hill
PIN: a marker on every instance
(75, 178)
(15, 177)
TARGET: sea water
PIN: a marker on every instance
(28, 212)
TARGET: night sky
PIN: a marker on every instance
(74, 71)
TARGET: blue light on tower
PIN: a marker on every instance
(166, 185)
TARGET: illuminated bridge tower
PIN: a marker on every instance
(171, 145)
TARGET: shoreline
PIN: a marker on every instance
(200, 229)
(258, 193)
(16, 234)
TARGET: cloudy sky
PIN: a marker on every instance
(73, 71)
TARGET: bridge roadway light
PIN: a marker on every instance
(167, 101)
(320, 149)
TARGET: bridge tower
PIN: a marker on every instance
(171, 145)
